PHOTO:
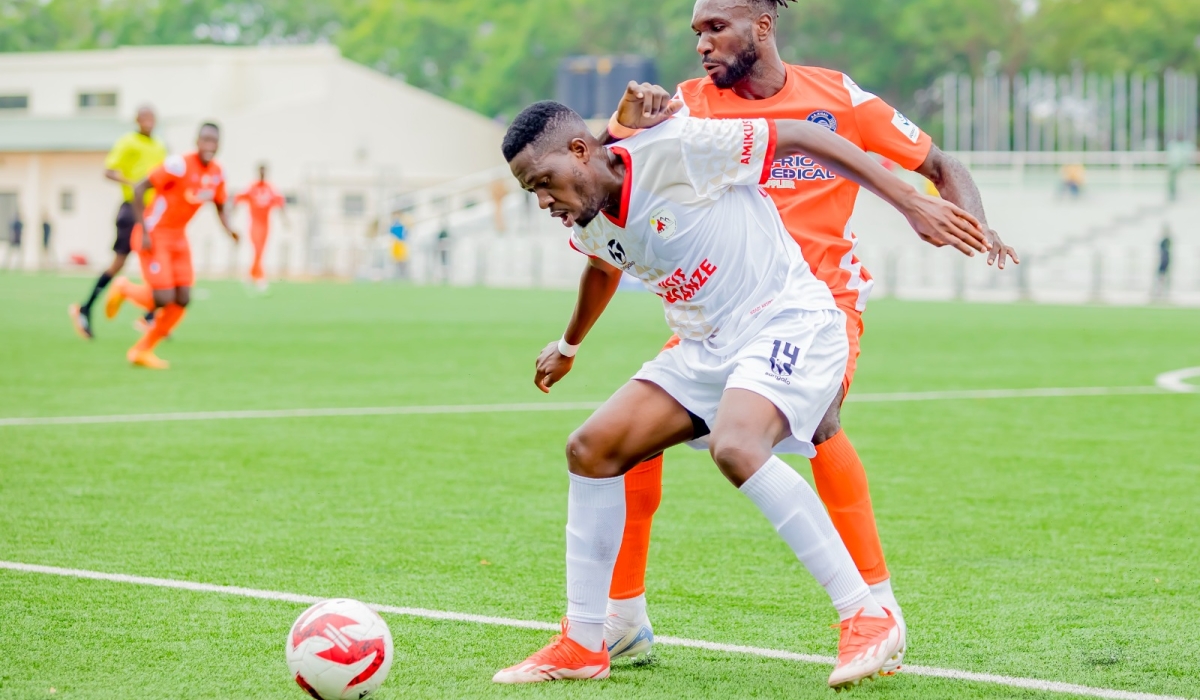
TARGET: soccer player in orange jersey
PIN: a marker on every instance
(183, 185)
(747, 79)
(262, 197)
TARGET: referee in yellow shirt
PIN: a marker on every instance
(129, 162)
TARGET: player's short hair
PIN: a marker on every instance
(535, 123)
(210, 125)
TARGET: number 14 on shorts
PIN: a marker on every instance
(786, 364)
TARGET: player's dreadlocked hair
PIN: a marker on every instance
(773, 6)
(535, 121)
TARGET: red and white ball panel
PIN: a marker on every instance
(339, 650)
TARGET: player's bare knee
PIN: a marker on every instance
(831, 423)
(736, 458)
(183, 296)
(587, 458)
(164, 297)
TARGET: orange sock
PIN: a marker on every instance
(140, 294)
(643, 492)
(256, 268)
(167, 318)
(841, 482)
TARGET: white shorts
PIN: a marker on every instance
(796, 362)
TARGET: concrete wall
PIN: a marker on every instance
(327, 127)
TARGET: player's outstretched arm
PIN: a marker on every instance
(597, 286)
(223, 214)
(936, 221)
(643, 106)
(954, 182)
(138, 204)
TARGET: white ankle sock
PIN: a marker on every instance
(882, 592)
(798, 516)
(629, 609)
(589, 635)
(595, 525)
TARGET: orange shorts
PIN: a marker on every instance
(169, 265)
(854, 331)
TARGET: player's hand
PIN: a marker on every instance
(941, 223)
(997, 251)
(645, 105)
(147, 244)
(551, 367)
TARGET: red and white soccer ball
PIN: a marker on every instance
(339, 650)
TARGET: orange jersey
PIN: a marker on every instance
(261, 198)
(815, 203)
(183, 184)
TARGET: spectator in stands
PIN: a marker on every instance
(47, 259)
(399, 231)
(1073, 179)
(1180, 155)
(13, 254)
(1162, 282)
(443, 252)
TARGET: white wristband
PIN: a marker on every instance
(566, 349)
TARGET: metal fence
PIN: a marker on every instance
(1082, 111)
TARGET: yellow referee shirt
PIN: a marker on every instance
(134, 156)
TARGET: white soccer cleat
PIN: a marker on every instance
(866, 646)
(631, 639)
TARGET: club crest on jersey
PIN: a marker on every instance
(617, 253)
(155, 267)
(663, 223)
(823, 118)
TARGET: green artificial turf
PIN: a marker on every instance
(1049, 538)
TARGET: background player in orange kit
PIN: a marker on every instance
(184, 184)
(747, 79)
(261, 197)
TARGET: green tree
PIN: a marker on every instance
(499, 55)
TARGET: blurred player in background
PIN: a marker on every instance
(132, 157)
(763, 354)
(182, 185)
(262, 198)
(747, 79)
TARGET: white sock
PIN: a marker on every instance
(882, 592)
(595, 525)
(798, 516)
(630, 609)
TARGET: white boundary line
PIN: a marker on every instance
(1177, 381)
(1010, 681)
(546, 407)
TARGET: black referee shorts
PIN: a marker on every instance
(125, 224)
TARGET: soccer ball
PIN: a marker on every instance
(339, 650)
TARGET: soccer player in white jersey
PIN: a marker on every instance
(763, 345)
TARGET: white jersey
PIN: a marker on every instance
(697, 229)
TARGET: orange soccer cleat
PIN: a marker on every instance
(147, 359)
(866, 646)
(562, 659)
(116, 297)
